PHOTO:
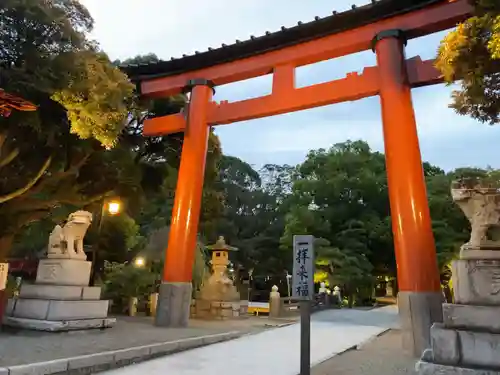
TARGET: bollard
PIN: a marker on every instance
(274, 303)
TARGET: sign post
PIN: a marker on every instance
(303, 289)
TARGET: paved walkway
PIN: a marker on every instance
(19, 347)
(275, 351)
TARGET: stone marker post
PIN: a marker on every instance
(274, 303)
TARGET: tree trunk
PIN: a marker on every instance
(6, 242)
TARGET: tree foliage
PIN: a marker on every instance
(471, 53)
(253, 215)
(85, 141)
(340, 196)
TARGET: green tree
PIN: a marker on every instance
(118, 238)
(87, 132)
(471, 53)
(347, 268)
(341, 196)
(56, 156)
(252, 219)
(344, 190)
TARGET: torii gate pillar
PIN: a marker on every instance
(420, 296)
(174, 298)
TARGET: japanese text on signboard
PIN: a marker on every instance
(303, 267)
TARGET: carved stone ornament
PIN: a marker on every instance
(481, 205)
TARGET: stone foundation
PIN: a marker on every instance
(173, 304)
(417, 312)
(468, 340)
(218, 310)
(61, 299)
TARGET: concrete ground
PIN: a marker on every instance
(24, 347)
(275, 351)
(383, 355)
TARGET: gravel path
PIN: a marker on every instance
(22, 347)
(382, 356)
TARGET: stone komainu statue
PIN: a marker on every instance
(67, 241)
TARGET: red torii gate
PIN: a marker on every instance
(384, 26)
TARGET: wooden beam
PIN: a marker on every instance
(415, 24)
(353, 87)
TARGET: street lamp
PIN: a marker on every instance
(139, 262)
(112, 208)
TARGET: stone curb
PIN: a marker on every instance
(371, 339)
(92, 363)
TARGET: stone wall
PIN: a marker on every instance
(218, 310)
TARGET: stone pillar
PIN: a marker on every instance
(274, 303)
(175, 292)
(420, 294)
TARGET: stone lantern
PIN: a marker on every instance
(220, 256)
(218, 297)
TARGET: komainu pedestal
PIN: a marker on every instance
(468, 340)
(61, 299)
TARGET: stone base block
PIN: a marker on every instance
(465, 348)
(40, 309)
(481, 318)
(58, 326)
(63, 272)
(427, 368)
(243, 308)
(60, 292)
(476, 282)
(174, 301)
(219, 310)
(417, 312)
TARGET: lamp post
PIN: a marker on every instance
(288, 285)
(112, 208)
(250, 273)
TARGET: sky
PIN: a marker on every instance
(126, 28)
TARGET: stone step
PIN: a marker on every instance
(59, 292)
(454, 347)
(54, 310)
(485, 318)
(428, 368)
